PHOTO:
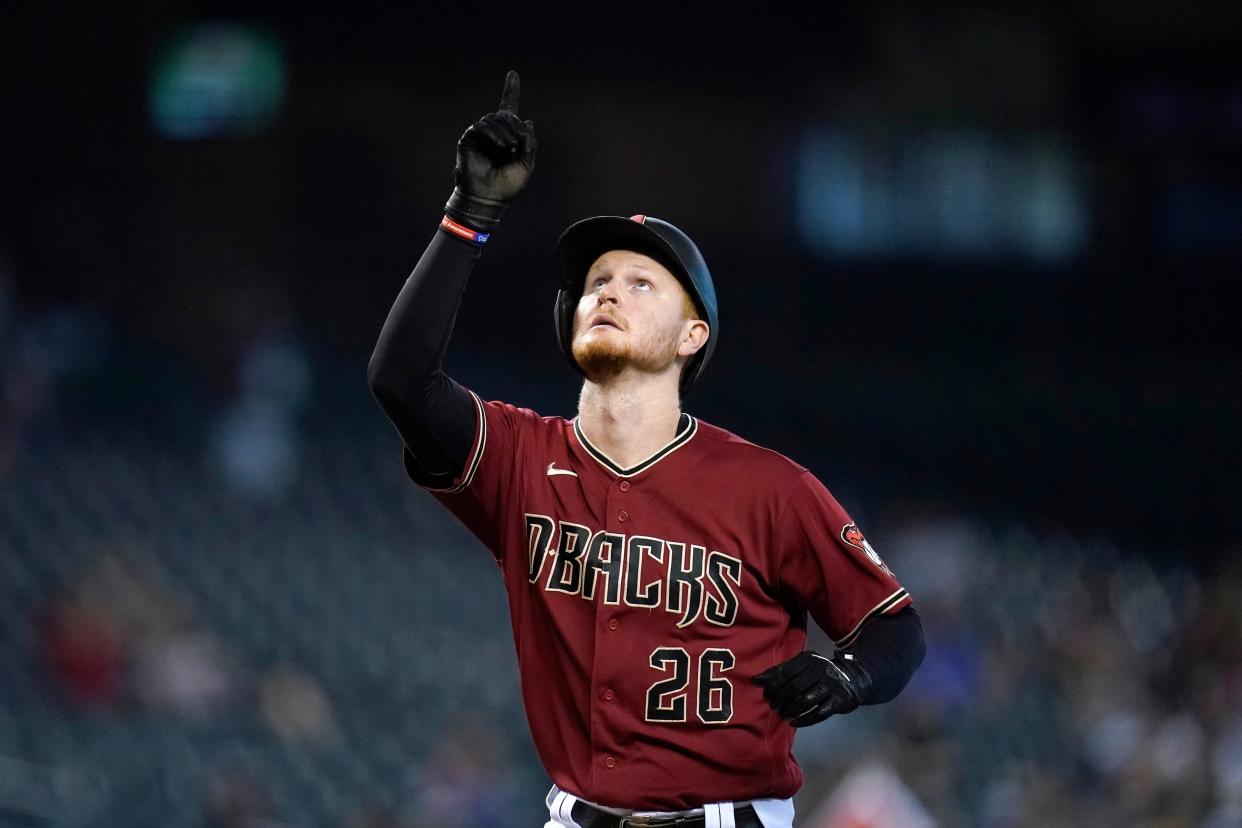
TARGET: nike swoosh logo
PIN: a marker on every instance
(553, 471)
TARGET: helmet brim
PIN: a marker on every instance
(585, 241)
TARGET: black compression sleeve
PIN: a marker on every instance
(434, 415)
(890, 648)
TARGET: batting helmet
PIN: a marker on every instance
(587, 240)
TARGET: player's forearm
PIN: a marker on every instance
(416, 333)
(436, 416)
(433, 414)
(495, 159)
(890, 648)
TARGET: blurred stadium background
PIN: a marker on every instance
(974, 265)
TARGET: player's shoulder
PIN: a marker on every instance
(727, 447)
(518, 415)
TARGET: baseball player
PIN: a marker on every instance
(659, 569)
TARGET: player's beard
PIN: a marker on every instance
(607, 356)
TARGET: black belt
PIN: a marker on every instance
(588, 817)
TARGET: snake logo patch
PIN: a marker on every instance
(851, 534)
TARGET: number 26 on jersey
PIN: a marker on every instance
(712, 693)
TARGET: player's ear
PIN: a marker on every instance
(694, 336)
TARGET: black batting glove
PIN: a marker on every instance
(495, 159)
(809, 687)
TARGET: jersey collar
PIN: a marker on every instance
(687, 426)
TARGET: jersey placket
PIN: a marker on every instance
(615, 715)
(608, 629)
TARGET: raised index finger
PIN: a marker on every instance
(509, 99)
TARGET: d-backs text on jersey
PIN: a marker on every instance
(638, 571)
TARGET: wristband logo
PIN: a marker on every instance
(461, 231)
(851, 534)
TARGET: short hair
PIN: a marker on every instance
(688, 308)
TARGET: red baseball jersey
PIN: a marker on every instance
(644, 599)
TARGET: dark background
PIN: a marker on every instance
(156, 291)
(1094, 390)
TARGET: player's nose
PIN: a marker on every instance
(608, 295)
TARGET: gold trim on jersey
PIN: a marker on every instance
(879, 609)
(683, 437)
(472, 465)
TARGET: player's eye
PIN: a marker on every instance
(643, 283)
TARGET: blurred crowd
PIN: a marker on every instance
(1067, 682)
(995, 240)
(288, 665)
(247, 629)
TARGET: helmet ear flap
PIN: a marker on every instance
(566, 302)
(691, 372)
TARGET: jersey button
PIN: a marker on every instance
(624, 516)
(609, 695)
(625, 486)
(613, 624)
(610, 762)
